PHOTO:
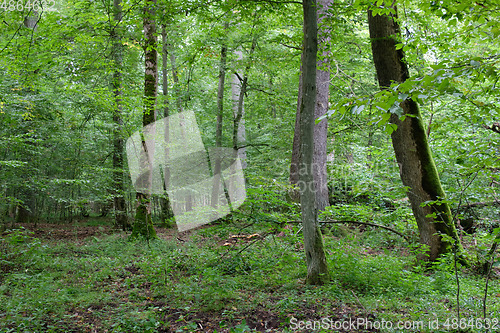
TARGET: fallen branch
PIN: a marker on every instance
(359, 222)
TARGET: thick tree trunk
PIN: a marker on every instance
(317, 270)
(143, 225)
(417, 168)
(321, 107)
(121, 219)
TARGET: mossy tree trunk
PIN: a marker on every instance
(143, 224)
(413, 154)
(317, 269)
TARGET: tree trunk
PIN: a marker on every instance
(167, 213)
(175, 77)
(321, 108)
(121, 219)
(295, 162)
(317, 270)
(143, 224)
(218, 132)
(413, 154)
(239, 89)
(320, 129)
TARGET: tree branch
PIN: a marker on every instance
(291, 46)
(253, 145)
(359, 222)
(495, 127)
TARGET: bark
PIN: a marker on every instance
(164, 70)
(120, 209)
(295, 162)
(175, 77)
(321, 107)
(317, 270)
(167, 213)
(239, 89)
(271, 98)
(220, 113)
(31, 21)
(413, 154)
(143, 225)
(23, 214)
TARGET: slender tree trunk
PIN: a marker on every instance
(121, 219)
(175, 77)
(220, 112)
(164, 70)
(321, 107)
(167, 213)
(413, 154)
(271, 98)
(317, 270)
(143, 224)
(239, 89)
(295, 162)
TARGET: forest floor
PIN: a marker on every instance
(87, 277)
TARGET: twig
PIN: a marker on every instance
(359, 301)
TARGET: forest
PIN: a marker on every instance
(249, 166)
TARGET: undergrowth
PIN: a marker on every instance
(213, 282)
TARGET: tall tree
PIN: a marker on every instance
(220, 114)
(143, 224)
(321, 108)
(417, 169)
(120, 208)
(167, 213)
(317, 269)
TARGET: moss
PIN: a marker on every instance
(431, 183)
(143, 224)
